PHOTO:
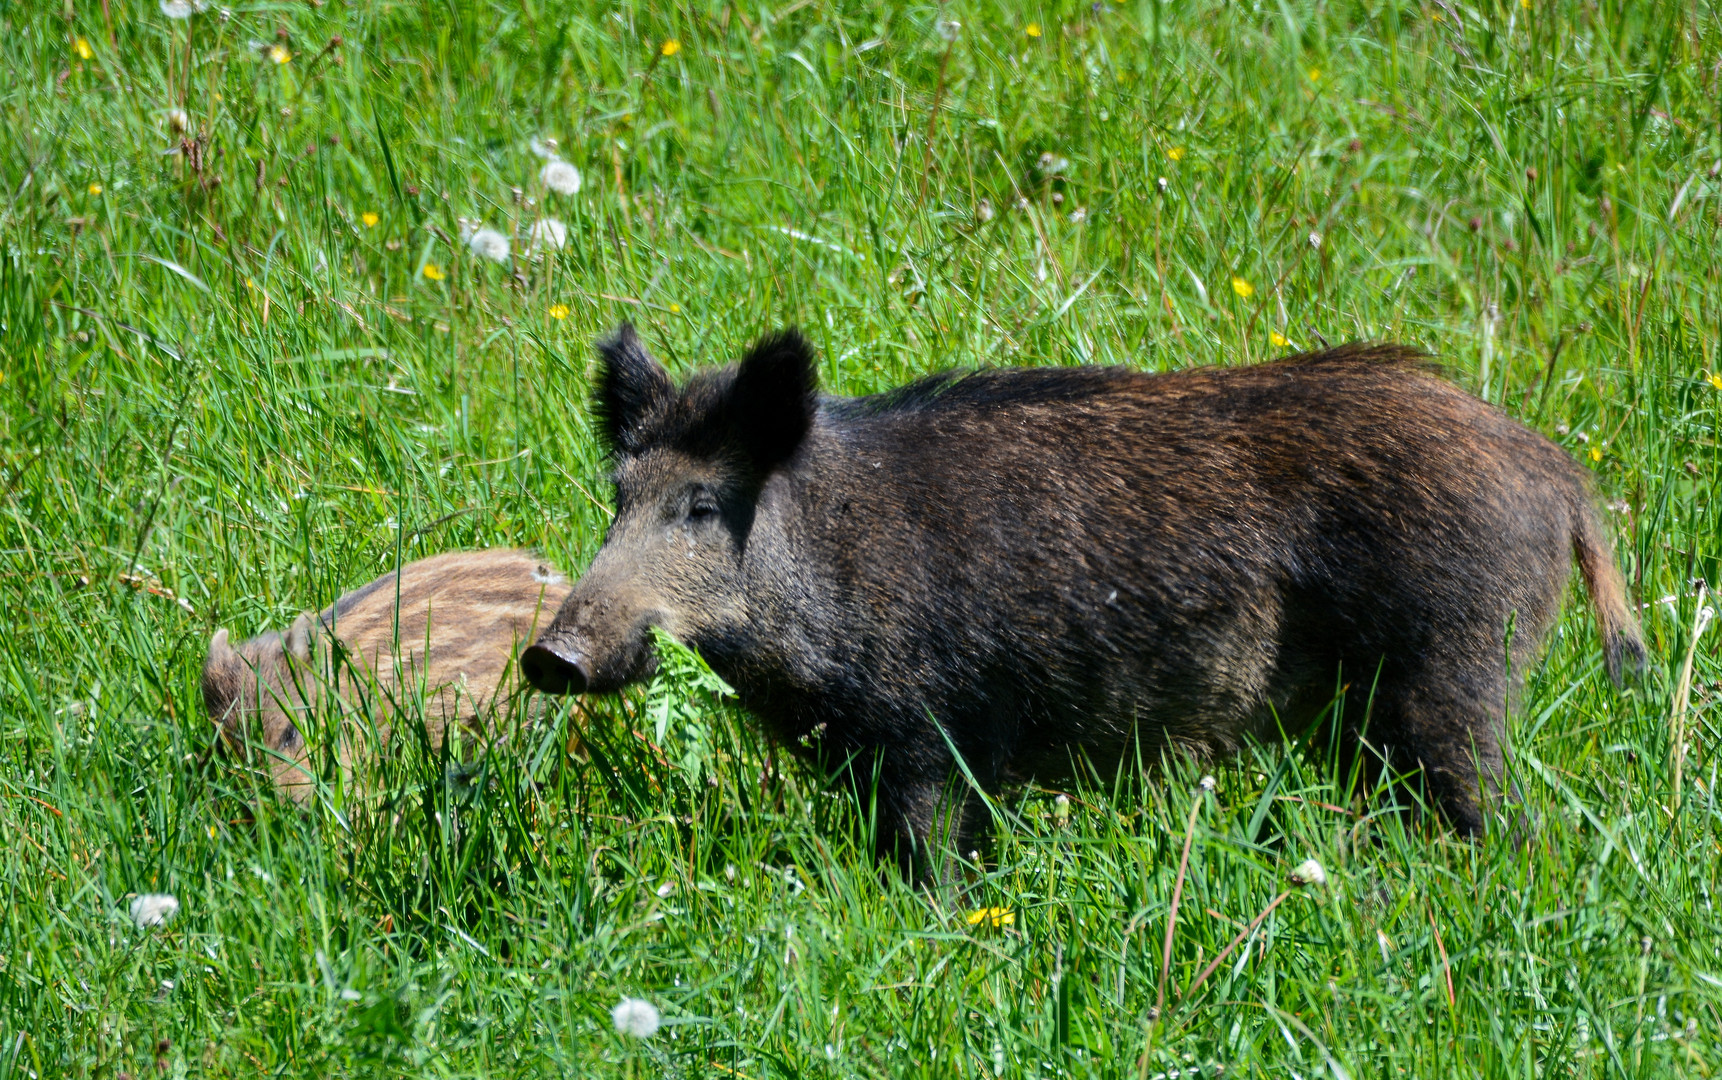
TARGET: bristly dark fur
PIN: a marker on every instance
(1037, 566)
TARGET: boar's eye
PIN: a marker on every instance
(702, 508)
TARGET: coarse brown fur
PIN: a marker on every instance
(458, 620)
(1065, 562)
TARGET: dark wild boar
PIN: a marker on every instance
(1085, 562)
(461, 619)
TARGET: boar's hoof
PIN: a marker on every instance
(556, 669)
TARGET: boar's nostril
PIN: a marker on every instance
(555, 669)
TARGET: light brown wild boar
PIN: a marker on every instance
(462, 618)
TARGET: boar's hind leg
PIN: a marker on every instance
(1445, 720)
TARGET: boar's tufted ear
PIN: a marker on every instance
(297, 640)
(632, 388)
(774, 397)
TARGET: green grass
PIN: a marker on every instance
(222, 383)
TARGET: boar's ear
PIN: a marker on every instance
(775, 394)
(632, 388)
(297, 640)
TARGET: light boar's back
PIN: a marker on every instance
(444, 630)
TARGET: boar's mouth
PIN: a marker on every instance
(556, 665)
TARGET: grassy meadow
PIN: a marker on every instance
(252, 353)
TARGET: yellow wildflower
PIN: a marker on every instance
(1176, 153)
(369, 219)
(670, 47)
(1314, 74)
(1243, 288)
(82, 48)
(1596, 453)
(991, 916)
(1715, 380)
(95, 189)
(1032, 29)
(675, 309)
(559, 311)
(433, 271)
(279, 54)
(1277, 339)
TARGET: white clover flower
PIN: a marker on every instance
(1208, 783)
(560, 177)
(1309, 872)
(1079, 215)
(547, 233)
(153, 909)
(635, 1017)
(489, 244)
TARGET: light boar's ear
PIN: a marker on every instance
(297, 640)
(632, 389)
(774, 397)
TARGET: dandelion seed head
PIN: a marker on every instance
(1308, 872)
(560, 177)
(180, 9)
(488, 244)
(635, 1017)
(544, 148)
(949, 29)
(153, 909)
(984, 211)
(547, 233)
(177, 120)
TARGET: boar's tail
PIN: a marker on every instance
(1623, 647)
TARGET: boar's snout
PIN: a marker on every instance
(556, 667)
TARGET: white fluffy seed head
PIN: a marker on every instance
(547, 234)
(1309, 872)
(1208, 783)
(635, 1017)
(560, 177)
(153, 909)
(489, 244)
